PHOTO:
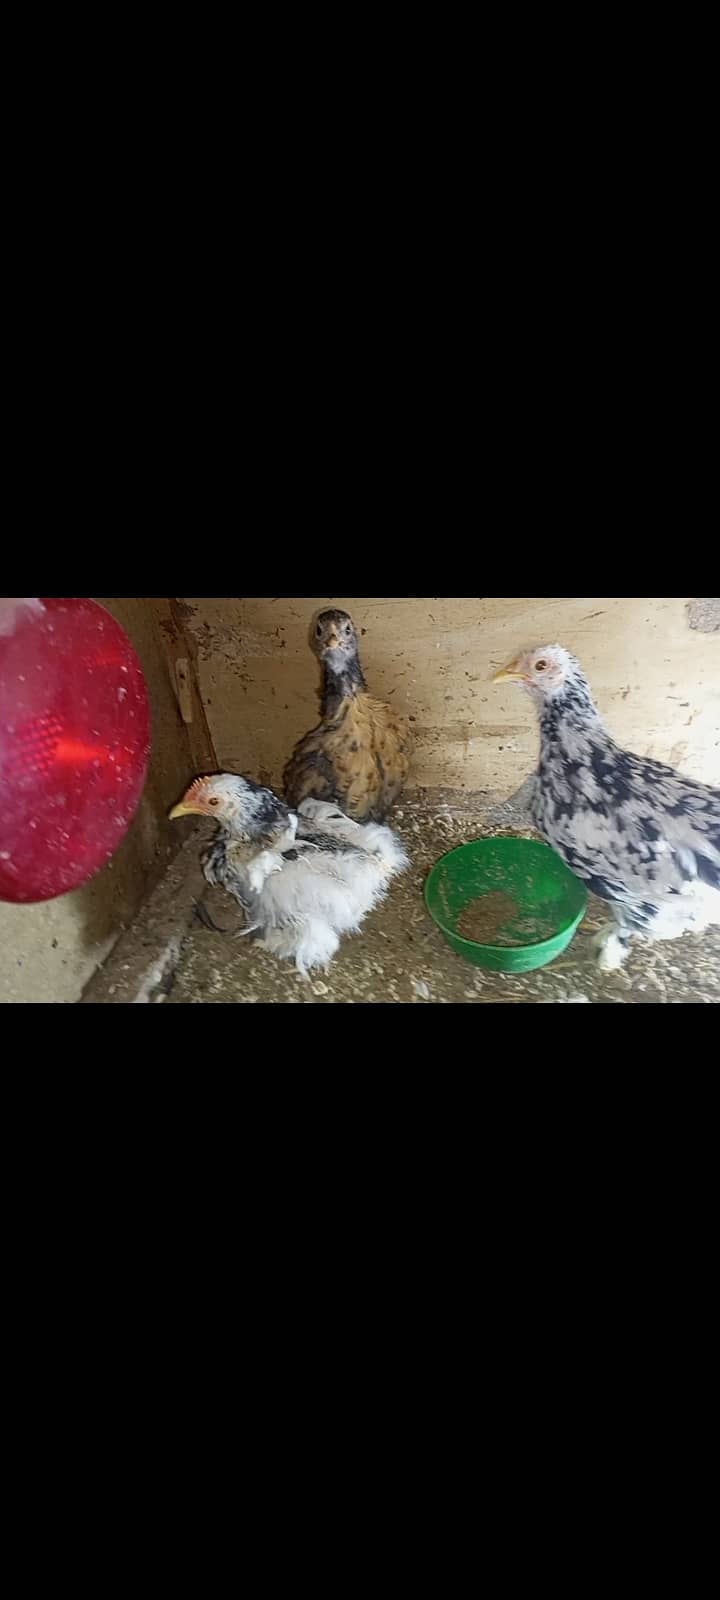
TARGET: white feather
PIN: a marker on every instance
(259, 870)
(307, 907)
(304, 898)
(370, 836)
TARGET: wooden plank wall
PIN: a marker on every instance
(656, 678)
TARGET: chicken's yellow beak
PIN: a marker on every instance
(512, 673)
(193, 803)
(184, 811)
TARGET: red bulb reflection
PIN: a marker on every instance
(74, 747)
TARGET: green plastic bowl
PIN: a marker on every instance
(538, 881)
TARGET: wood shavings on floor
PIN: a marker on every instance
(400, 957)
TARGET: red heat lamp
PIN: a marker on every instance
(74, 744)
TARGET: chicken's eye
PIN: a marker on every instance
(348, 627)
(213, 802)
(318, 631)
(540, 666)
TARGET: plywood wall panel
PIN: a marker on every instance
(657, 680)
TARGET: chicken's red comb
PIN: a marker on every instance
(196, 789)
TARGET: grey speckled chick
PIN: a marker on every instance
(303, 878)
(642, 836)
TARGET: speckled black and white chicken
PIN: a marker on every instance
(642, 836)
(304, 878)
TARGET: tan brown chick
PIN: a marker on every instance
(359, 755)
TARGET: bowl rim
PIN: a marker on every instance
(504, 949)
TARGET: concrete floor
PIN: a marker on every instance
(400, 956)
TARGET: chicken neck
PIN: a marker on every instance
(340, 686)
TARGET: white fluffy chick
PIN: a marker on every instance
(304, 878)
(641, 835)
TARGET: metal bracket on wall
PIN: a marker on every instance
(181, 655)
(183, 685)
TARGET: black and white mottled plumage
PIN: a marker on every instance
(303, 878)
(642, 836)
